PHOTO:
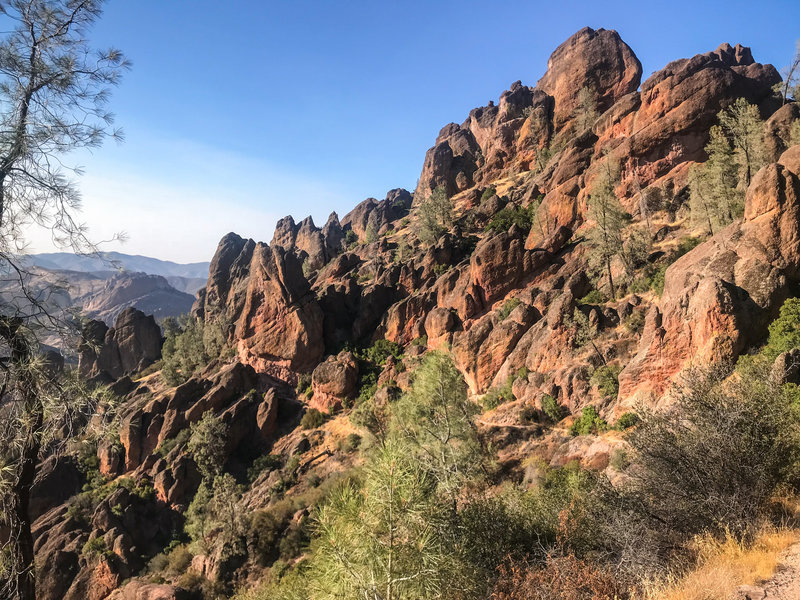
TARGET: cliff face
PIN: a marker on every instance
(312, 291)
(514, 302)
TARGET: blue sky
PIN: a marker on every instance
(237, 113)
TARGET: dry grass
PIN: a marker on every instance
(724, 565)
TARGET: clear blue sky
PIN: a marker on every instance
(239, 112)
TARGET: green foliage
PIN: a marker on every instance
(169, 444)
(499, 395)
(610, 219)
(379, 540)
(435, 216)
(715, 462)
(214, 514)
(266, 462)
(626, 421)
(551, 408)
(421, 341)
(436, 418)
(189, 345)
(370, 363)
(593, 297)
(95, 548)
(794, 133)
(606, 379)
(350, 238)
(508, 306)
(488, 193)
(313, 418)
(350, 443)
(379, 352)
(784, 332)
(635, 322)
(207, 444)
(735, 152)
(303, 384)
(370, 235)
(586, 110)
(589, 423)
(742, 124)
(522, 217)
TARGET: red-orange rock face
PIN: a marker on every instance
(280, 326)
(719, 297)
(597, 59)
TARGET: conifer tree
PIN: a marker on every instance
(742, 124)
(610, 219)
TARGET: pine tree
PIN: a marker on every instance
(380, 540)
(742, 124)
(437, 419)
(610, 219)
(586, 112)
(715, 194)
(435, 216)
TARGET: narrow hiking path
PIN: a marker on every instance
(783, 585)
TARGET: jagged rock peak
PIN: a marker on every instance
(597, 59)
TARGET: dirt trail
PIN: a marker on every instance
(784, 585)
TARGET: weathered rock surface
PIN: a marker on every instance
(333, 380)
(596, 59)
(131, 345)
(719, 297)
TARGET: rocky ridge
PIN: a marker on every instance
(509, 303)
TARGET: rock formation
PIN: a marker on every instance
(131, 345)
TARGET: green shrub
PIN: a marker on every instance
(179, 560)
(499, 395)
(488, 193)
(169, 444)
(507, 308)
(189, 345)
(379, 352)
(684, 246)
(95, 548)
(303, 384)
(551, 408)
(606, 379)
(312, 419)
(350, 238)
(657, 280)
(520, 216)
(635, 322)
(784, 332)
(266, 462)
(626, 421)
(207, 444)
(421, 341)
(350, 443)
(593, 297)
(590, 422)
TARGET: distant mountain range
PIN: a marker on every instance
(104, 286)
(111, 261)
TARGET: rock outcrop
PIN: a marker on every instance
(131, 345)
(719, 297)
(597, 60)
